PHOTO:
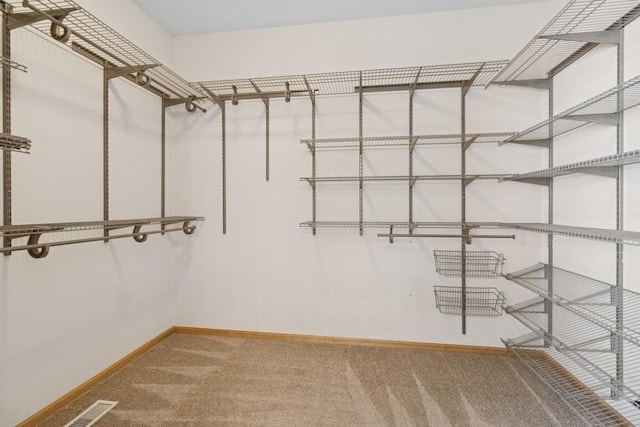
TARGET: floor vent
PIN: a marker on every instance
(92, 414)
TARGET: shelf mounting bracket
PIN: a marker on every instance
(603, 119)
(600, 37)
(18, 20)
(528, 83)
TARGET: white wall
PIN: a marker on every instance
(68, 316)
(266, 273)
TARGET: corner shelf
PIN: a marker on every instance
(603, 166)
(38, 249)
(602, 108)
(587, 398)
(568, 36)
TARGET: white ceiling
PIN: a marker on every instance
(208, 16)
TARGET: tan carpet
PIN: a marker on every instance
(190, 380)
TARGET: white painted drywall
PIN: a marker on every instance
(267, 273)
(68, 316)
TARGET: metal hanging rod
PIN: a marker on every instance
(40, 249)
(602, 108)
(410, 141)
(348, 82)
(9, 63)
(14, 143)
(604, 166)
(68, 23)
(576, 29)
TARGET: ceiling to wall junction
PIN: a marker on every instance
(210, 16)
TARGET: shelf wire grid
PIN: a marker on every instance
(478, 264)
(479, 301)
(585, 396)
(588, 298)
(418, 140)
(402, 178)
(14, 143)
(599, 234)
(348, 82)
(541, 55)
(603, 103)
(612, 161)
(108, 44)
(584, 345)
(381, 224)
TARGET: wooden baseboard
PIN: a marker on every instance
(410, 345)
(82, 388)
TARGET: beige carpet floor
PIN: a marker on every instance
(189, 380)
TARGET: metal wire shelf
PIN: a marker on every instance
(69, 23)
(586, 397)
(380, 224)
(479, 301)
(588, 298)
(585, 349)
(552, 48)
(601, 108)
(14, 143)
(607, 166)
(600, 234)
(416, 140)
(350, 82)
(40, 249)
(402, 178)
(480, 264)
(13, 64)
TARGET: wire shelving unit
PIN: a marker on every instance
(140, 230)
(575, 30)
(586, 396)
(602, 108)
(406, 141)
(68, 23)
(604, 166)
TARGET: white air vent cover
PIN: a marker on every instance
(92, 414)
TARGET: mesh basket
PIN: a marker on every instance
(477, 264)
(481, 302)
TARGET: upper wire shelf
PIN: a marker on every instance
(552, 48)
(14, 143)
(69, 23)
(606, 165)
(599, 109)
(351, 82)
(415, 140)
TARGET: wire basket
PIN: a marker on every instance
(480, 302)
(477, 263)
